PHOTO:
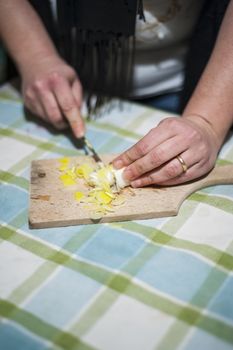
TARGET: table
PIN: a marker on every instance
(153, 284)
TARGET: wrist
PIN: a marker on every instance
(218, 115)
(206, 125)
(34, 58)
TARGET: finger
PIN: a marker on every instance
(154, 138)
(194, 172)
(156, 157)
(68, 105)
(33, 104)
(52, 110)
(78, 95)
(171, 170)
(77, 92)
(37, 109)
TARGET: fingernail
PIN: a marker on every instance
(128, 175)
(136, 183)
(80, 134)
(118, 164)
(77, 131)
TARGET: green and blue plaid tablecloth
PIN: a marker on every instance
(150, 284)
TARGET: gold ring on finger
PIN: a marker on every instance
(182, 163)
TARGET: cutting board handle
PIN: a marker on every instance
(219, 175)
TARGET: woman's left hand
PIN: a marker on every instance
(157, 158)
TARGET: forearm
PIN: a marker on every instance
(212, 98)
(23, 33)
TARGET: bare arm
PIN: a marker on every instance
(198, 135)
(23, 33)
(51, 88)
(212, 97)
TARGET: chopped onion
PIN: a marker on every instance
(104, 183)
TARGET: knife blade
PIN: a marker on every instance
(90, 150)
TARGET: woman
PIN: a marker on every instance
(178, 149)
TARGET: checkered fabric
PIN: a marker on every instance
(150, 284)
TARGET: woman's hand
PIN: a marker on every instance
(153, 160)
(52, 90)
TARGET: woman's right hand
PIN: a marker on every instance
(52, 90)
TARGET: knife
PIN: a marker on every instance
(90, 150)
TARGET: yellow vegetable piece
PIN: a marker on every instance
(110, 194)
(84, 171)
(78, 195)
(103, 198)
(67, 180)
(64, 163)
(64, 160)
(71, 173)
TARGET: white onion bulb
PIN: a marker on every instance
(120, 181)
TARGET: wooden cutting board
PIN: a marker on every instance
(53, 205)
